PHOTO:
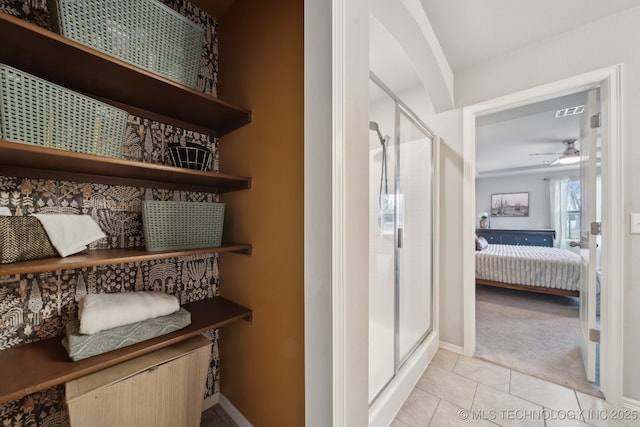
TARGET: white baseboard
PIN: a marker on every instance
(210, 401)
(630, 403)
(233, 412)
(451, 347)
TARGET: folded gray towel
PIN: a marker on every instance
(81, 346)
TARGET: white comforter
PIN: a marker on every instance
(529, 265)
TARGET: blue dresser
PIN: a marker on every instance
(518, 237)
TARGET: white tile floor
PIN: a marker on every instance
(460, 391)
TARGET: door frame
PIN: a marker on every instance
(612, 269)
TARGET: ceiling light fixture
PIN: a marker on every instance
(570, 155)
(568, 160)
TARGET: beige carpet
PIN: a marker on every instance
(535, 334)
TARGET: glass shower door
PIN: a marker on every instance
(400, 236)
(382, 270)
(414, 182)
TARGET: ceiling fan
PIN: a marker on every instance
(569, 156)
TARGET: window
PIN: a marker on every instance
(565, 210)
(572, 207)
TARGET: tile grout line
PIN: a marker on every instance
(456, 363)
(584, 420)
(475, 393)
(509, 392)
(435, 410)
(516, 396)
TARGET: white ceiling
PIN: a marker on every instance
(474, 31)
(513, 140)
(388, 61)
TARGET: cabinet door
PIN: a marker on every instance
(537, 240)
(166, 395)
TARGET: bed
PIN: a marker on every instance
(531, 268)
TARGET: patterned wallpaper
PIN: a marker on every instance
(37, 306)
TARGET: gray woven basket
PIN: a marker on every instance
(182, 225)
(145, 33)
(34, 111)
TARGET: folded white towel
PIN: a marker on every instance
(70, 234)
(105, 311)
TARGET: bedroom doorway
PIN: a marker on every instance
(607, 81)
(535, 235)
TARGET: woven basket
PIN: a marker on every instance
(145, 33)
(34, 111)
(182, 225)
(23, 238)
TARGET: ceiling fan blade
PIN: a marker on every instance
(545, 154)
(542, 140)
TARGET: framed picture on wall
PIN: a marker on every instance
(510, 204)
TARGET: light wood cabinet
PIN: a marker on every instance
(161, 389)
(36, 366)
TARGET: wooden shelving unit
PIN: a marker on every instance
(140, 92)
(36, 366)
(33, 161)
(28, 368)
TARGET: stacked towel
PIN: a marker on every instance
(105, 311)
(111, 321)
(70, 234)
(81, 346)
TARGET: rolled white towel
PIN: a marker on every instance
(105, 311)
(70, 234)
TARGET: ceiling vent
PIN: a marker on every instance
(571, 111)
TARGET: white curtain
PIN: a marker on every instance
(558, 214)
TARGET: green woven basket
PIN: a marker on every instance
(34, 111)
(145, 33)
(182, 225)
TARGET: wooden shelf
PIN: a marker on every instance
(28, 368)
(33, 161)
(140, 92)
(32, 367)
(109, 257)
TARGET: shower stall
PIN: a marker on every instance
(401, 250)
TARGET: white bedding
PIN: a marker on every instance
(529, 265)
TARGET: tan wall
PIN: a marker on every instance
(261, 68)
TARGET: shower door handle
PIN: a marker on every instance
(400, 237)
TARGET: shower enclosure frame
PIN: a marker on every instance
(400, 110)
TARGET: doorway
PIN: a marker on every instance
(533, 152)
(609, 83)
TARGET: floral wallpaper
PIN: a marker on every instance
(37, 306)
